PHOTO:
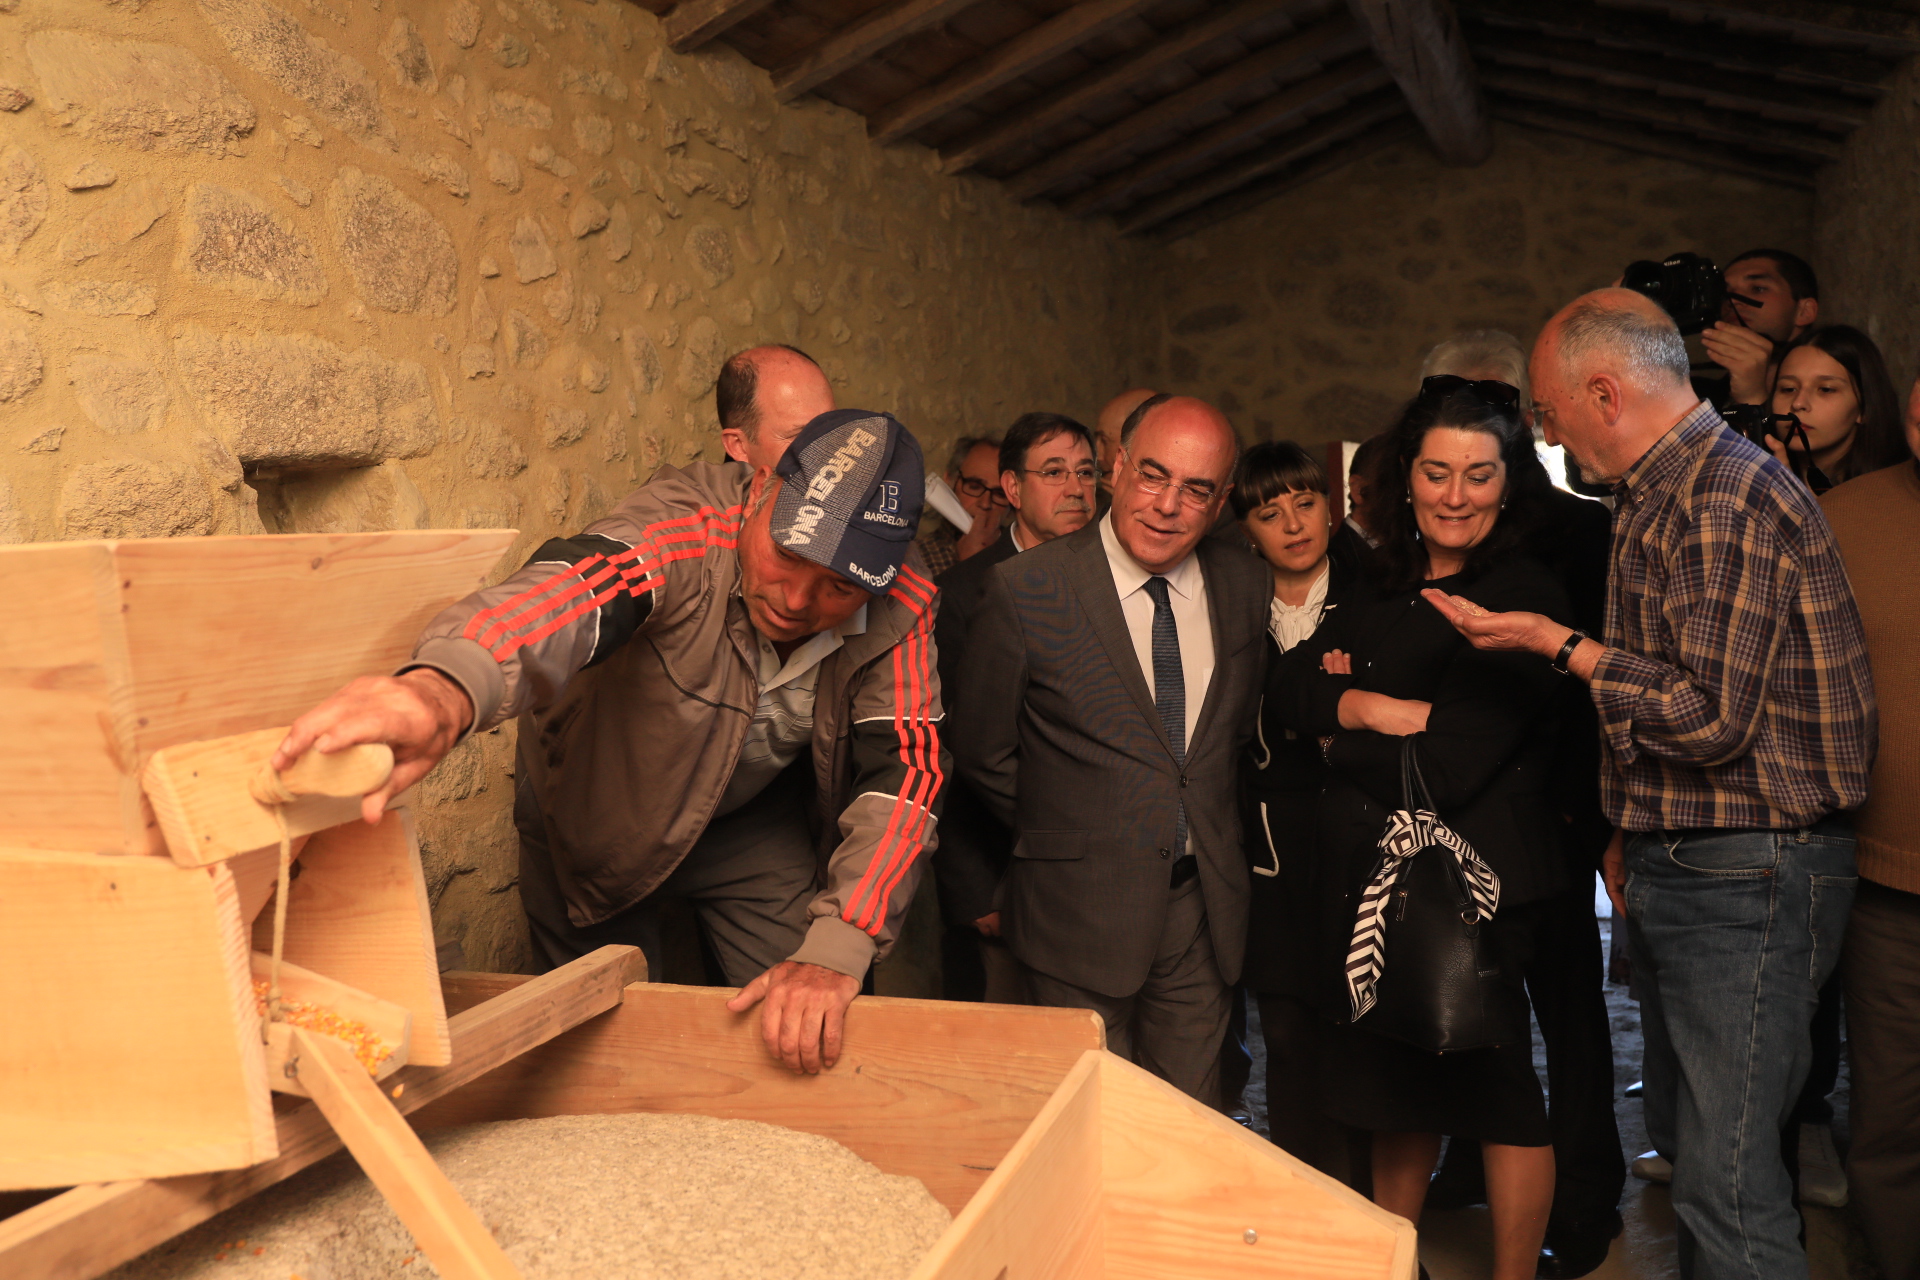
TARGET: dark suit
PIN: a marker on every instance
(1062, 740)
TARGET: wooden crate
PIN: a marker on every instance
(1058, 1159)
(113, 650)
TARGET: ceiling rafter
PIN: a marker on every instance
(1668, 148)
(1421, 43)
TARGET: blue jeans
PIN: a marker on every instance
(1732, 933)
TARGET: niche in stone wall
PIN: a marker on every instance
(337, 499)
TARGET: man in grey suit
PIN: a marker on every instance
(1110, 680)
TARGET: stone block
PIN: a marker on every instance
(594, 375)
(20, 364)
(643, 358)
(443, 170)
(482, 323)
(295, 400)
(130, 498)
(526, 341)
(710, 251)
(400, 257)
(502, 169)
(587, 217)
(463, 23)
(618, 241)
(476, 360)
(120, 219)
(235, 240)
(700, 358)
(493, 454)
(305, 131)
(101, 297)
(123, 397)
(541, 155)
(136, 94)
(87, 175)
(593, 134)
(47, 441)
(23, 198)
(297, 191)
(406, 55)
(14, 98)
(272, 42)
(561, 426)
(510, 50)
(532, 255)
(520, 111)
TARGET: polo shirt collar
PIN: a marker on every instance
(1671, 451)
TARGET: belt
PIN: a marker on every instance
(1185, 868)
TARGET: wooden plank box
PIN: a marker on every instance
(110, 651)
(1058, 1159)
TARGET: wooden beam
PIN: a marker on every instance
(1650, 144)
(1420, 42)
(1884, 30)
(1291, 59)
(692, 23)
(1105, 81)
(1059, 34)
(1730, 128)
(1258, 193)
(1839, 71)
(1770, 100)
(91, 1229)
(851, 45)
(1285, 152)
(1295, 104)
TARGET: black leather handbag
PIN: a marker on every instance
(1420, 936)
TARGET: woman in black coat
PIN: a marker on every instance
(1280, 498)
(1456, 496)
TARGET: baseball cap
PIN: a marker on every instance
(851, 494)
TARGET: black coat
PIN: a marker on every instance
(1281, 779)
(1487, 755)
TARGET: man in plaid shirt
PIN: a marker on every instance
(1737, 713)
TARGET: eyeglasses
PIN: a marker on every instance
(977, 489)
(1155, 483)
(1057, 476)
(1441, 385)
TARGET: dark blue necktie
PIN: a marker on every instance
(1170, 692)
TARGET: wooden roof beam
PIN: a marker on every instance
(1294, 58)
(1421, 43)
(1731, 92)
(1858, 74)
(1696, 153)
(692, 23)
(1108, 80)
(1874, 28)
(1285, 151)
(1057, 35)
(1258, 193)
(1729, 128)
(846, 48)
(1299, 103)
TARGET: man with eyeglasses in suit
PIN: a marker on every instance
(973, 472)
(1048, 474)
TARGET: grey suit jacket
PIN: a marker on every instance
(1061, 739)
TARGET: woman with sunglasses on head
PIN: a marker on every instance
(1834, 380)
(1280, 499)
(1458, 493)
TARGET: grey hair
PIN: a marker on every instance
(1640, 344)
(965, 445)
(1484, 352)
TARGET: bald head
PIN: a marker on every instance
(764, 396)
(1610, 376)
(1174, 471)
(1106, 428)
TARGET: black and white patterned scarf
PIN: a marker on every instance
(1407, 833)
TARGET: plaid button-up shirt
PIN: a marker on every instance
(1734, 691)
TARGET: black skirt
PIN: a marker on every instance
(1487, 1095)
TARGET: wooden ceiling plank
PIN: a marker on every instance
(1057, 35)
(1420, 41)
(1258, 193)
(1846, 72)
(1102, 82)
(1662, 113)
(1697, 153)
(1288, 150)
(692, 23)
(1317, 47)
(1870, 27)
(1729, 92)
(1312, 97)
(842, 50)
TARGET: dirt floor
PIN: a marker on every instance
(1457, 1245)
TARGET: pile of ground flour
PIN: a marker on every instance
(618, 1197)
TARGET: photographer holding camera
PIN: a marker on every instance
(1773, 297)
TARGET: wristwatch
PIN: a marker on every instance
(1565, 655)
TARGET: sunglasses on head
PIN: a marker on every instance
(1441, 385)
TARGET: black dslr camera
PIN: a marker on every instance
(1689, 287)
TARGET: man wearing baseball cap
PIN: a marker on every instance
(727, 688)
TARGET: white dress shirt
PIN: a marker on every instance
(783, 717)
(1289, 624)
(1188, 599)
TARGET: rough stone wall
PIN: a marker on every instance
(1307, 317)
(363, 264)
(1864, 248)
